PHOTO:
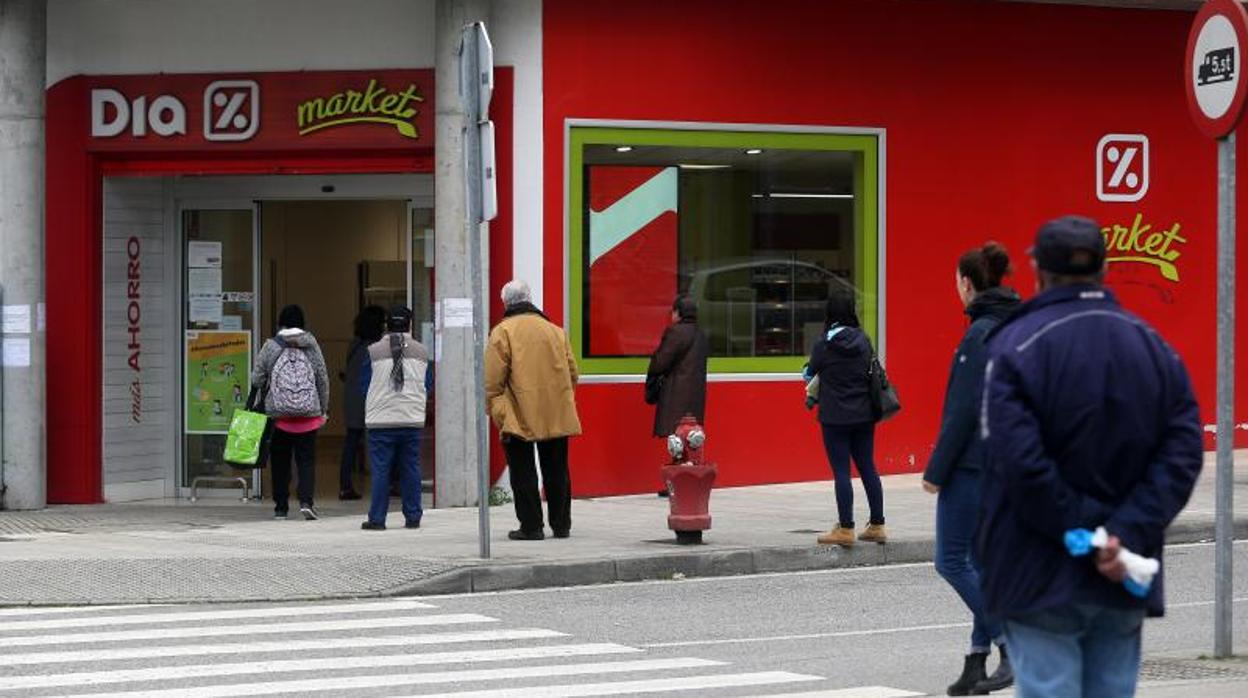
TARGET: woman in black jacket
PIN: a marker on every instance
(678, 368)
(842, 360)
(370, 325)
(953, 471)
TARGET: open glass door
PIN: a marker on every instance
(219, 321)
(420, 300)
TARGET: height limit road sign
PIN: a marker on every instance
(1215, 95)
(1214, 74)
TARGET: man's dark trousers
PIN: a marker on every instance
(554, 459)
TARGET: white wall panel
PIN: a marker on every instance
(105, 37)
(139, 437)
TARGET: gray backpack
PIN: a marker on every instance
(292, 385)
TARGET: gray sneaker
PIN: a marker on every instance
(309, 512)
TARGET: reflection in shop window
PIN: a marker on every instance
(757, 236)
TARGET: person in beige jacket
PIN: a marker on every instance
(530, 391)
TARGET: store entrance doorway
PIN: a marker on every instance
(331, 256)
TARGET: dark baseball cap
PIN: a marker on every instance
(399, 316)
(1069, 245)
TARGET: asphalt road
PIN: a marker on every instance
(879, 632)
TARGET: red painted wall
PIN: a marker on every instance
(75, 168)
(993, 112)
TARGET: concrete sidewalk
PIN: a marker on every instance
(227, 551)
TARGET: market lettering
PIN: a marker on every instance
(134, 316)
(1141, 244)
(375, 104)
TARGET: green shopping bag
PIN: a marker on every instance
(246, 445)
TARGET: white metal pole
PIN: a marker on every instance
(1224, 522)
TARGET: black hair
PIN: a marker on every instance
(399, 319)
(370, 324)
(291, 317)
(841, 310)
(985, 266)
(685, 307)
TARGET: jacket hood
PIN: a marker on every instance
(296, 337)
(523, 308)
(999, 302)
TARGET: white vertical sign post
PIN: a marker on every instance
(1215, 97)
(476, 88)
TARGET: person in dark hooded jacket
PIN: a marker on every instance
(842, 361)
(680, 364)
(954, 468)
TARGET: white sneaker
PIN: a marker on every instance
(309, 512)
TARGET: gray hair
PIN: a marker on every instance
(516, 292)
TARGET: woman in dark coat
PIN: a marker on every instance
(842, 360)
(370, 325)
(680, 364)
(953, 471)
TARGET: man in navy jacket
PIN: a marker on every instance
(1088, 420)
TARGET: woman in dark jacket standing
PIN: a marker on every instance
(953, 471)
(680, 364)
(370, 325)
(842, 360)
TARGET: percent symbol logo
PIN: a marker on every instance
(231, 110)
(1122, 167)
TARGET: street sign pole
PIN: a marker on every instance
(476, 84)
(1224, 523)
(1216, 91)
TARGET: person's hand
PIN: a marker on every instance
(930, 488)
(1108, 563)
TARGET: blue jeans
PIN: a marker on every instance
(957, 515)
(857, 440)
(1077, 651)
(395, 448)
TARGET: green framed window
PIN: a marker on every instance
(757, 227)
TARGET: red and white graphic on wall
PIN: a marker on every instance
(633, 221)
(1122, 167)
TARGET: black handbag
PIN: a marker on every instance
(654, 385)
(884, 400)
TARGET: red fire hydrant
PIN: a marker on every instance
(689, 479)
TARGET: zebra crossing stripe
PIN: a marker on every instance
(168, 673)
(855, 692)
(161, 634)
(359, 683)
(283, 646)
(201, 616)
(683, 683)
(64, 610)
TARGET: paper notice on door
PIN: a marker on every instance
(231, 322)
(203, 254)
(15, 319)
(16, 351)
(204, 283)
(457, 312)
(205, 309)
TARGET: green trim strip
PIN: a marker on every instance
(866, 215)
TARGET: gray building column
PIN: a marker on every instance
(23, 66)
(457, 408)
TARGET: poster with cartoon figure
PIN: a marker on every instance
(218, 374)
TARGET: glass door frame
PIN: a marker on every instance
(180, 207)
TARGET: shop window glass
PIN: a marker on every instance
(757, 228)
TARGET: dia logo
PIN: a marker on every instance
(112, 113)
(1122, 167)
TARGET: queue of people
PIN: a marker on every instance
(1062, 412)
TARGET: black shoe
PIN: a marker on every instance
(663, 493)
(1003, 677)
(348, 495)
(972, 673)
(370, 526)
(279, 514)
(563, 533)
(415, 523)
(521, 534)
(309, 512)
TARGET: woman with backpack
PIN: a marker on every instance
(953, 471)
(370, 325)
(842, 360)
(290, 374)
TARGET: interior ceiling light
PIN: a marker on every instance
(754, 151)
(803, 195)
(686, 166)
(623, 148)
